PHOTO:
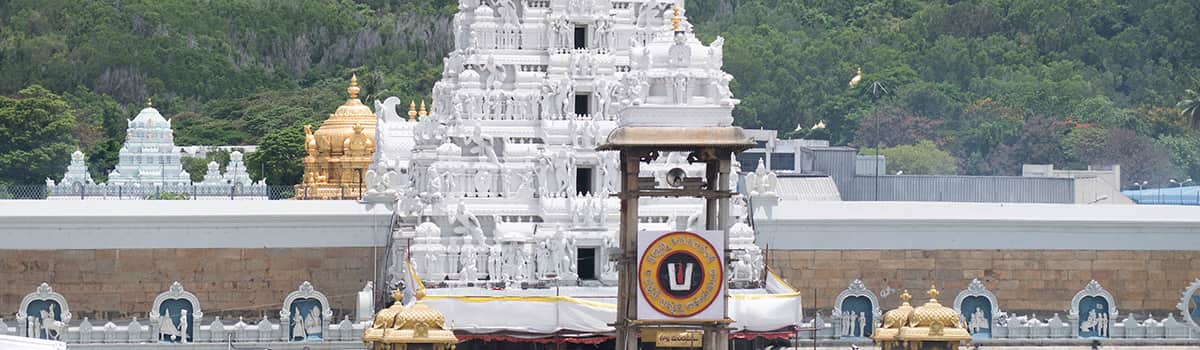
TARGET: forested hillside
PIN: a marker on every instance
(993, 83)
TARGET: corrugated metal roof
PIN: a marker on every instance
(956, 188)
(821, 188)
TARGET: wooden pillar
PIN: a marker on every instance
(627, 335)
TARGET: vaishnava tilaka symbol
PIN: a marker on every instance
(681, 275)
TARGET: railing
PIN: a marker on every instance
(185, 192)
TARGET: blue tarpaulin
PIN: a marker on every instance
(1187, 195)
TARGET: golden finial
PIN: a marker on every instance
(422, 111)
(675, 18)
(933, 293)
(149, 102)
(857, 78)
(412, 111)
(353, 89)
(905, 297)
(398, 295)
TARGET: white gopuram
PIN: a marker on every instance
(148, 157)
(500, 185)
(77, 175)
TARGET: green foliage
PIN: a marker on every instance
(922, 158)
(171, 196)
(237, 72)
(280, 155)
(36, 128)
(197, 167)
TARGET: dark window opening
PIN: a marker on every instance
(583, 181)
(580, 37)
(586, 261)
(583, 105)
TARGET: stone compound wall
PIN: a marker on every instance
(1041, 281)
(114, 284)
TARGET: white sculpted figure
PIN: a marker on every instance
(480, 144)
(469, 260)
(507, 11)
(649, 10)
(298, 332)
(862, 324)
(183, 326)
(466, 223)
(680, 54)
(716, 53)
(52, 327)
(679, 89)
(495, 262)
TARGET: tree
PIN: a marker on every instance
(197, 167)
(279, 158)
(922, 158)
(1140, 158)
(892, 126)
(1190, 107)
(36, 127)
(1038, 142)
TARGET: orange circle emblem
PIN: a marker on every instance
(680, 274)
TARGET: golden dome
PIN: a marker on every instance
(342, 123)
(339, 152)
(899, 317)
(384, 319)
(933, 312)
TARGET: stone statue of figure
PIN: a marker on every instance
(495, 262)
(862, 324)
(679, 93)
(542, 261)
(547, 100)
(847, 324)
(183, 326)
(466, 223)
(298, 332)
(562, 173)
(679, 55)
(566, 93)
(507, 11)
(649, 10)
(481, 144)
(716, 53)
(1102, 326)
(545, 172)
(469, 259)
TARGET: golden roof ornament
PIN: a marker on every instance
(149, 102)
(422, 112)
(412, 110)
(927, 324)
(353, 89)
(675, 19)
(399, 326)
(856, 79)
(340, 151)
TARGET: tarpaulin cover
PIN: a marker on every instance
(553, 314)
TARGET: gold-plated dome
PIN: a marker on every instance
(398, 326)
(911, 327)
(384, 319)
(933, 312)
(339, 152)
(899, 317)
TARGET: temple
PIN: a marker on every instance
(148, 157)
(149, 166)
(500, 190)
(339, 152)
